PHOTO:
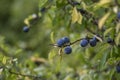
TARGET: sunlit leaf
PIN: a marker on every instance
(103, 20)
(26, 21)
(115, 9)
(79, 18)
(75, 15)
(102, 3)
(4, 60)
(84, 5)
(52, 37)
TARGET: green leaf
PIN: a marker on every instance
(76, 16)
(51, 55)
(107, 31)
(103, 20)
(79, 18)
(42, 2)
(102, 3)
(4, 60)
(52, 37)
(103, 60)
(118, 28)
(117, 39)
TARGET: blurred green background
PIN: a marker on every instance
(12, 15)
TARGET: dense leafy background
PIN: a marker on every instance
(28, 56)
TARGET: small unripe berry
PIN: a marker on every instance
(26, 29)
(60, 43)
(118, 69)
(67, 50)
(84, 43)
(66, 40)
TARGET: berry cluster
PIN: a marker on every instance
(84, 42)
(65, 42)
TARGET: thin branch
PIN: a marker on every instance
(117, 3)
(24, 75)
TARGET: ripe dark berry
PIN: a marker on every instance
(26, 29)
(118, 69)
(60, 43)
(109, 40)
(84, 42)
(118, 15)
(68, 50)
(93, 42)
(66, 40)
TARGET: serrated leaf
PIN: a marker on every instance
(52, 37)
(42, 2)
(103, 20)
(74, 15)
(107, 31)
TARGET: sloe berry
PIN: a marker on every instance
(26, 29)
(66, 40)
(118, 15)
(84, 42)
(60, 42)
(118, 69)
(68, 50)
(93, 41)
(109, 40)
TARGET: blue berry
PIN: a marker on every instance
(93, 42)
(26, 29)
(68, 50)
(118, 69)
(60, 43)
(109, 40)
(84, 42)
(66, 40)
(118, 15)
